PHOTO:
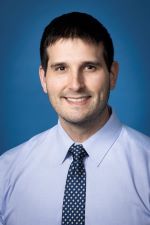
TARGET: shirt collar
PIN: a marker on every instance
(63, 143)
(97, 146)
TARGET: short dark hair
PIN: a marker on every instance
(76, 25)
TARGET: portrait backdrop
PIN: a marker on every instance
(25, 110)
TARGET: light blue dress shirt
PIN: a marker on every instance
(33, 177)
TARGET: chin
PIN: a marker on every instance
(74, 120)
(77, 121)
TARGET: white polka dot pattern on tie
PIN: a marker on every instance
(75, 190)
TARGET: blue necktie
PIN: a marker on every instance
(75, 190)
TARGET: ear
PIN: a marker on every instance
(114, 74)
(43, 78)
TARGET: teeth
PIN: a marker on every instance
(77, 99)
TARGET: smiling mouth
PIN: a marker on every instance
(78, 100)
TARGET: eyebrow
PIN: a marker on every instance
(84, 63)
(94, 63)
(54, 65)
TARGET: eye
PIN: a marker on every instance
(60, 68)
(90, 67)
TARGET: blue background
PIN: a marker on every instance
(24, 108)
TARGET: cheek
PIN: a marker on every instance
(53, 86)
(105, 90)
(56, 82)
(98, 84)
(100, 89)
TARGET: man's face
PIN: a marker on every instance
(77, 80)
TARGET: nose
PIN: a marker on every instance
(76, 81)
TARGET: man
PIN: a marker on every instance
(89, 169)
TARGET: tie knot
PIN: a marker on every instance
(78, 152)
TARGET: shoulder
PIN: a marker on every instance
(13, 161)
(135, 137)
(135, 146)
(18, 154)
(17, 160)
(135, 151)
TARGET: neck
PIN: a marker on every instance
(80, 133)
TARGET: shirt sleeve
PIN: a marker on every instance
(3, 182)
(1, 192)
(1, 222)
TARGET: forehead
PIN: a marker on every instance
(74, 48)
